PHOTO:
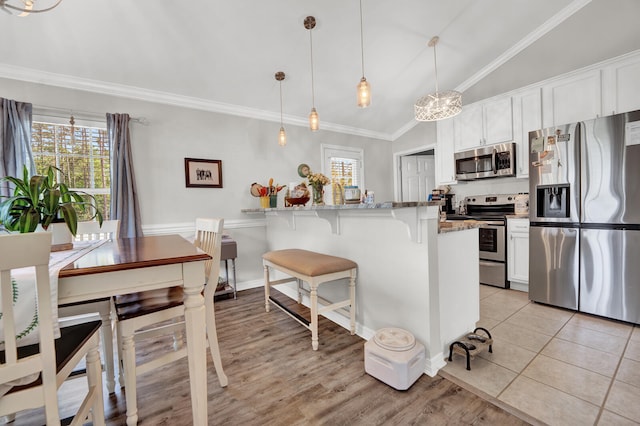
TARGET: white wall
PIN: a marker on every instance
(247, 147)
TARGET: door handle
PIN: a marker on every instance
(493, 161)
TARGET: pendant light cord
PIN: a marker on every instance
(435, 65)
(313, 97)
(361, 39)
(281, 125)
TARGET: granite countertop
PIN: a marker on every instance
(383, 205)
(517, 216)
(455, 226)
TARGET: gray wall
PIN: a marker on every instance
(247, 147)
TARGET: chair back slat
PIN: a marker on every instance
(91, 230)
(209, 239)
(20, 251)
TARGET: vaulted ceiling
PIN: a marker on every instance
(222, 55)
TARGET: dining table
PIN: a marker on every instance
(129, 265)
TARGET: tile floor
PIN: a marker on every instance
(553, 366)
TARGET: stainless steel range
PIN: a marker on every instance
(491, 210)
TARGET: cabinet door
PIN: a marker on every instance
(498, 121)
(468, 129)
(572, 99)
(518, 250)
(527, 116)
(445, 166)
(621, 87)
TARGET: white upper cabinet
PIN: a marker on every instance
(445, 167)
(498, 120)
(621, 86)
(484, 123)
(527, 116)
(467, 127)
(572, 99)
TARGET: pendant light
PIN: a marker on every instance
(25, 7)
(282, 135)
(363, 89)
(310, 23)
(438, 105)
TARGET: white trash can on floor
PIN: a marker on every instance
(394, 357)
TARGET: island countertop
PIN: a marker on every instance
(361, 206)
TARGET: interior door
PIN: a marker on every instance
(418, 177)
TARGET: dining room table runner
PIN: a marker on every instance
(24, 293)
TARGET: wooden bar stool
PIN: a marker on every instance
(315, 269)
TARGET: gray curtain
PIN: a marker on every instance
(124, 198)
(15, 140)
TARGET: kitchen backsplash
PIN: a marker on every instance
(489, 186)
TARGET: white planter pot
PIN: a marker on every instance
(61, 238)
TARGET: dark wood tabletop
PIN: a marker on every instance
(131, 253)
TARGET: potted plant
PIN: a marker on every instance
(41, 200)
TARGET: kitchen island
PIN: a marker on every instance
(412, 274)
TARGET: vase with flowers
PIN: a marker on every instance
(317, 181)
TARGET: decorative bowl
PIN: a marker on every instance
(297, 201)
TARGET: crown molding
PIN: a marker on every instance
(531, 38)
(113, 89)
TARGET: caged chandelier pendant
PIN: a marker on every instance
(438, 105)
(25, 7)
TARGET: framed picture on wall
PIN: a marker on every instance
(200, 173)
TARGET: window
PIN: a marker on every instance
(343, 165)
(82, 152)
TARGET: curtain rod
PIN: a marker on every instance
(86, 115)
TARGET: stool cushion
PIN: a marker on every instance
(309, 263)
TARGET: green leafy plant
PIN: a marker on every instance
(40, 199)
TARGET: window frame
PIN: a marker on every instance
(57, 119)
(329, 151)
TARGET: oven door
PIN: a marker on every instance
(492, 241)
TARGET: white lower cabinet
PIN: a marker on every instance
(518, 253)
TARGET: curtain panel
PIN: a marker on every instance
(124, 197)
(15, 141)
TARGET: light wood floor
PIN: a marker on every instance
(275, 378)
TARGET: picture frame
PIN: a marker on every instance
(201, 173)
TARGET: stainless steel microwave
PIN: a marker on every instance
(486, 162)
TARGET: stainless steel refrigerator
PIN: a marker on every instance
(584, 240)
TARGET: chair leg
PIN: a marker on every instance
(178, 335)
(106, 335)
(94, 377)
(212, 337)
(129, 362)
(266, 288)
(120, 357)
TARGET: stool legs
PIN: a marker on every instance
(266, 288)
(352, 298)
(313, 301)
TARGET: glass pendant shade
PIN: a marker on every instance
(438, 106)
(364, 93)
(314, 120)
(26, 7)
(282, 137)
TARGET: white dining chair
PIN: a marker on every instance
(30, 375)
(147, 310)
(86, 311)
